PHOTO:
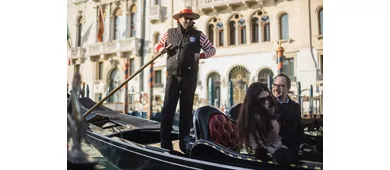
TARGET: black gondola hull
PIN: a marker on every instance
(127, 157)
(129, 148)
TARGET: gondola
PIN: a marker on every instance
(129, 142)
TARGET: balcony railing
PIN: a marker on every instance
(95, 49)
(115, 46)
(155, 12)
(79, 1)
(219, 3)
(78, 52)
(320, 80)
(107, 1)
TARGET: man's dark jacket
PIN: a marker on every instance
(291, 130)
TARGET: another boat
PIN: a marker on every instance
(130, 142)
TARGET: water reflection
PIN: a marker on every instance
(103, 164)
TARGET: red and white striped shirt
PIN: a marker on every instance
(207, 47)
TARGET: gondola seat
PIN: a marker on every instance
(234, 112)
(211, 151)
(213, 125)
(216, 137)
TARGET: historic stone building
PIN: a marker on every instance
(245, 34)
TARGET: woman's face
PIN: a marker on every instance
(264, 99)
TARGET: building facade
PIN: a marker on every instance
(245, 33)
(102, 63)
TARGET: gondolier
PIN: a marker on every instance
(182, 67)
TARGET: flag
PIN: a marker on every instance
(101, 25)
(68, 39)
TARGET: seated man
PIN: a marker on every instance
(290, 118)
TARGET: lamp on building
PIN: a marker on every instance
(223, 82)
(111, 60)
(241, 84)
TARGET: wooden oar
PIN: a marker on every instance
(127, 80)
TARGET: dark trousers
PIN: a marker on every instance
(182, 87)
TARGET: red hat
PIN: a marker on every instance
(187, 11)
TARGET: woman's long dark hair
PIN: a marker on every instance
(247, 123)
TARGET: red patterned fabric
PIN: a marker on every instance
(222, 131)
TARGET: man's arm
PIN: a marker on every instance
(207, 47)
(160, 45)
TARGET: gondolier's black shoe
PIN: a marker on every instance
(190, 143)
(185, 145)
(167, 145)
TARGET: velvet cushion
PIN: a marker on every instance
(223, 131)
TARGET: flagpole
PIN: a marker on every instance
(69, 44)
(101, 26)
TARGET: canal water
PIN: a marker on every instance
(103, 164)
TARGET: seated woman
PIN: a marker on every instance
(257, 124)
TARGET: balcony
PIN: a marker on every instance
(320, 80)
(116, 46)
(155, 12)
(205, 5)
(78, 53)
(79, 1)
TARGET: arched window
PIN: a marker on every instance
(239, 76)
(220, 34)
(133, 20)
(79, 31)
(215, 31)
(210, 31)
(214, 89)
(283, 27)
(232, 33)
(117, 25)
(115, 79)
(263, 76)
(237, 30)
(255, 30)
(320, 22)
(242, 28)
(261, 27)
(266, 28)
